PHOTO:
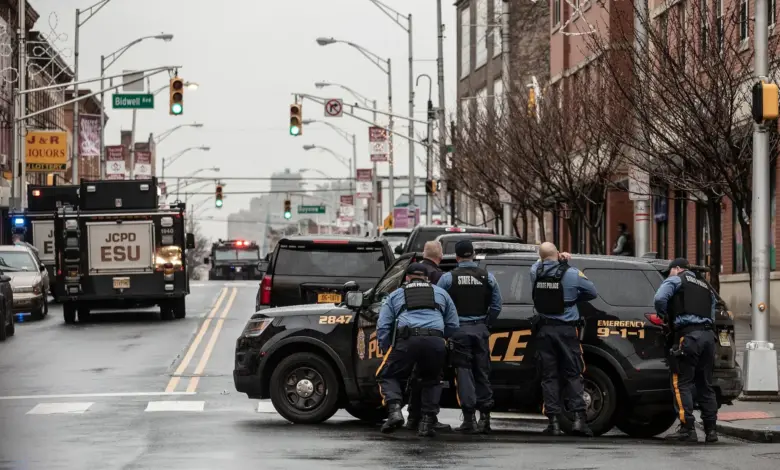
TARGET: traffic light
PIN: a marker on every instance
(218, 196)
(177, 96)
(765, 102)
(296, 119)
(431, 186)
(287, 209)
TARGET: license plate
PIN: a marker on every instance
(329, 298)
(121, 283)
(723, 336)
(238, 269)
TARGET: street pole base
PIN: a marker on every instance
(760, 369)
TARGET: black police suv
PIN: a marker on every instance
(448, 241)
(334, 349)
(312, 269)
(424, 233)
(234, 259)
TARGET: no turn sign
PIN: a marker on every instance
(334, 107)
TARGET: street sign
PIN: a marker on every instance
(132, 81)
(46, 151)
(378, 146)
(638, 184)
(347, 207)
(132, 101)
(364, 186)
(311, 209)
(334, 107)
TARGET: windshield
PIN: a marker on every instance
(251, 255)
(224, 255)
(341, 261)
(13, 261)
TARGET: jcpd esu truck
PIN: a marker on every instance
(119, 250)
(35, 225)
(234, 259)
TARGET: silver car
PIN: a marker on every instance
(29, 279)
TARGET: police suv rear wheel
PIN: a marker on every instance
(644, 428)
(179, 308)
(600, 402)
(369, 415)
(305, 389)
(166, 311)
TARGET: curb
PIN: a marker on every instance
(759, 398)
(766, 436)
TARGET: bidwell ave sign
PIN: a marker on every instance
(132, 101)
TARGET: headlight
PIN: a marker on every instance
(256, 326)
(168, 254)
(36, 289)
(23, 289)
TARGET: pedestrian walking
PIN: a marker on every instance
(557, 287)
(413, 324)
(687, 306)
(477, 298)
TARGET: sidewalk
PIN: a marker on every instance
(753, 419)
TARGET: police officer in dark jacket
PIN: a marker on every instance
(557, 287)
(688, 306)
(413, 324)
(432, 254)
(478, 300)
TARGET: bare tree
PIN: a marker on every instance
(202, 249)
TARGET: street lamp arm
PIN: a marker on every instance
(119, 52)
(374, 58)
(91, 11)
(390, 12)
(344, 134)
(337, 156)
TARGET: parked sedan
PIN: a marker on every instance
(27, 280)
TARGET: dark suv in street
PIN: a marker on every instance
(312, 269)
(626, 379)
(425, 233)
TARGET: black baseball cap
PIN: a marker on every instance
(464, 249)
(677, 263)
(417, 269)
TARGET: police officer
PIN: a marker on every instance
(432, 254)
(478, 301)
(688, 307)
(557, 287)
(413, 324)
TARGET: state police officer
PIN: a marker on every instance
(413, 324)
(688, 307)
(477, 298)
(557, 287)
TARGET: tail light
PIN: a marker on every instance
(265, 291)
(654, 319)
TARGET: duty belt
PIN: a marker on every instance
(684, 330)
(543, 321)
(406, 332)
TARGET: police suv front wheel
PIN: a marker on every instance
(367, 414)
(600, 402)
(305, 389)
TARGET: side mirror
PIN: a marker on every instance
(190, 241)
(43, 268)
(262, 266)
(354, 299)
(399, 250)
(206, 260)
(351, 286)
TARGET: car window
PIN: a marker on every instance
(655, 278)
(331, 261)
(392, 280)
(252, 255)
(622, 287)
(423, 237)
(224, 255)
(14, 261)
(514, 281)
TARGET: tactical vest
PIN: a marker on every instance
(419, 295)
(548, 290)
(692, 298)
(470, 291)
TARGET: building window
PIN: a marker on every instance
(702, 234)
(704, 26)
(498, 45)
(719, 21)
(680, 225)
(481, 30)
(498, 97)
(556, 13)
(465, 112)
(743, 20)
(465, 42)
(481, 103)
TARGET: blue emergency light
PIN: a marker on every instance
(19, 221)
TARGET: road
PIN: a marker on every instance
(127, 391)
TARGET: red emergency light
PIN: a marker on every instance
(36, 192)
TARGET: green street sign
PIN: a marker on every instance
(311, 209)
(132, 101)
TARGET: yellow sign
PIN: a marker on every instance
(46, 151)
(388, 223)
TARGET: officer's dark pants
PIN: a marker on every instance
(471, 360)
(559, 356)
(429, 353)
(693, 379)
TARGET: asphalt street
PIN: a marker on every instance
(127, 391)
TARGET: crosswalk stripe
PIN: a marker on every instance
(59, 408)
(155, 406)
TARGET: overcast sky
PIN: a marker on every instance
(249, 56)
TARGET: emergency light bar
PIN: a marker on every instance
(19, 221)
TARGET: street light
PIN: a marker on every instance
(341, 159)
(359, 96)
(385, 66)
(176, 156)
(215, 169)
(170, 131)
(114, 56)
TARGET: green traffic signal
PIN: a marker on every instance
(176, 108)
(288, 215)
(294, 130)
(218, 203)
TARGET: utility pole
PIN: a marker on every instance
(412, 205)
(74, 165)
(505, 48)
(450, 186)
(391, 187)
(429, 152)
(132, 148)
(760, 356)
(102, 120)
(20, 126)
(641, 207)
(376, 211)
(440, 84)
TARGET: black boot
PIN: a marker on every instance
(395, 419)
(710, 434)
(427, 426)
(684, 434)
(469, 424)
(484, 422)
(412, 422)
(580, 426)
(554, 428)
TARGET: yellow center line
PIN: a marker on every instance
(210, 346)
(194, 346)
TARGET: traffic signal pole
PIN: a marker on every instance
(760, 366)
